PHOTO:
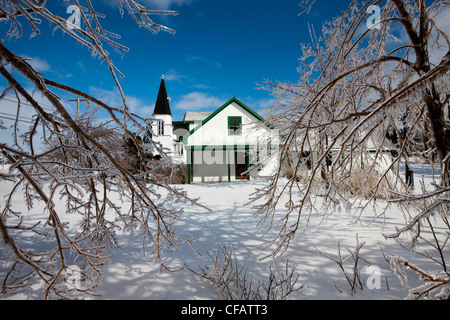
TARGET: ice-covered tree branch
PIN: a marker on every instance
(367, 104)
(79, 167)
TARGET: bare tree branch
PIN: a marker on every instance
(81, 167)
(367, 105)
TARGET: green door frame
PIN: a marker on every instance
(190, 156)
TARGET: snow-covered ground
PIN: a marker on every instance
(231, 223)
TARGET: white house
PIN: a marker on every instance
(217, 146)
(227, 143)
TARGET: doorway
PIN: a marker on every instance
(241, 161)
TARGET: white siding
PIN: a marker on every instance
(215, 131)
(167, 139)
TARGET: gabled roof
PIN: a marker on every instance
(162, 102)
(234, 99)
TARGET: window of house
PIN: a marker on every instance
(160, 128)
(234, 126)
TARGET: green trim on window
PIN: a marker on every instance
(235, 126)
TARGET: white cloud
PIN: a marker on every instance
(42, 66)
(108, 97)
(165, 4)
(198, 101)
(154, 4)
(112, 98)
(200, 86)
(205, 60)
(38, 64)
(172, 75)
(81, 66)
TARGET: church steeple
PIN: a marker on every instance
(162, 106)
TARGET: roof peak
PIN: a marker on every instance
(162, 105)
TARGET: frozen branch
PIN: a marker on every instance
(233, 282)
(80, 167)
(366, 106)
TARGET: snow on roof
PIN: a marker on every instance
(196, 116)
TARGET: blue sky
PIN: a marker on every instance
(221, 49)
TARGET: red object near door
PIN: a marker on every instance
(241, 165)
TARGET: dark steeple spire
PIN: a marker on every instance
(162, 103)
